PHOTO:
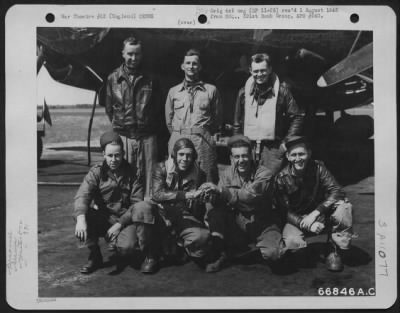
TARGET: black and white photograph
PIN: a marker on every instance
(216, 165)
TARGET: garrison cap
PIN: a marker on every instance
(238, 138)
(110, 137)
(296, 140)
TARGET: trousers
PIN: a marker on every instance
(242, 233)
(142, 154)
(135, 236)
(194, 235)
(339, 229)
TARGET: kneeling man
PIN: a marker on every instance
(312, 201)
(244, 192)
(109, 196)
(176, 191)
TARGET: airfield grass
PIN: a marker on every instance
(71, 124)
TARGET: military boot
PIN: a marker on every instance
(334, 261)
(217, 246)
(149, 265)
(95, 261)
(217, 265)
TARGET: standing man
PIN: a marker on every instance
(183, 204)
(109, 204)
(267, 112)
(245, 194)
(312, 201)
(134, 109)
(193, 110)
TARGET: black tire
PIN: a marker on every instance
(39, 147)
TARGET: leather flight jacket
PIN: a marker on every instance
(317, 189)
(134, 108)
(289, 116)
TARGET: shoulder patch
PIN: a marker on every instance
(96, 166)
(96, 169)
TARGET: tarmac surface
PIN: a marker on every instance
(62, 169)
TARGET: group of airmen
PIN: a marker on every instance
(271, 197)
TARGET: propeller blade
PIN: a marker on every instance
(356, 63)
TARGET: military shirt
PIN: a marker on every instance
(112, 195)
(200, 108)
(250, 197)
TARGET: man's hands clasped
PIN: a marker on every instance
(210, 192)
(207, 192)
(310, 223)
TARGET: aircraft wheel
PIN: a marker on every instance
(39, 147)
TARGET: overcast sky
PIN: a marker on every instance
(57, 93)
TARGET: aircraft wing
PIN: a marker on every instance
(70, 41)
(354, 64)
